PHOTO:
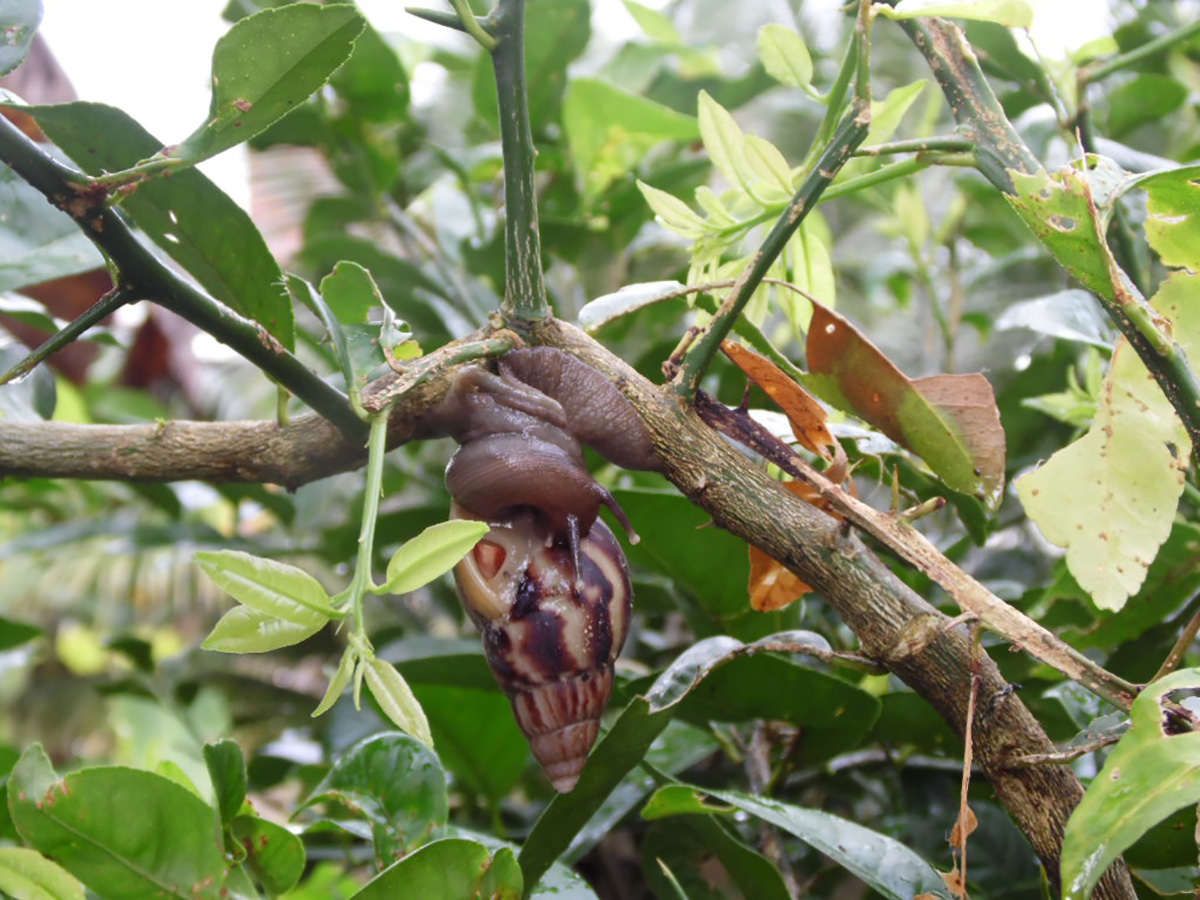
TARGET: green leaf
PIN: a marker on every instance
(1110, 497)
(609, 308)
(431, 554)
(274, 856)
(38, 242)
(190, 218)
(19, 20)
(397, 784)
(673, 213)
(269, 587)
(654, 24)
(784, 55)
(1147, 776)
(27, 875)
(886, 114)
(610, 131)
(351, 293)
(339, 681)
(477, 737)
(246, 630)
(882, 862)
(769, 164)
(396, 699)
(724, 141)
(451, 869)
(227, 771)
(1147, 97)
(1010, 13)
(14, 634)
(690, 844)
(1172, 226)
(122, 832)
(265, 66)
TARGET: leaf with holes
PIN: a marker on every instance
(1110, 498)
(950, 421)
(1172, 225)
(1147, 776)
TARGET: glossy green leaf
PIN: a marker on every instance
(397, 784)
(451, 869)
(122, 832)
(265, 66)
(1110, 497)
(1172, 226)
(274, 856)
(881, 861)
(19, 20)
(1010, 13)
(477, 737)
(431, 554)
(38, 242)
(27, 875)
(609, 131)
(396, 699)
(246, 630)
(227, 771)
(1147, 776)
(190, 218)
(785, 55)
(14, 634)
(268, 587)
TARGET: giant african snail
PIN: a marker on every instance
(548, 585)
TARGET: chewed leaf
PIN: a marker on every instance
(807, 417)
(1147, 776)
(951, 421)
(1110, 498)
(1173, 226)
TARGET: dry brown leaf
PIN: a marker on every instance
(954, 883)
(963, 830)
(807, 416)
(772, 585)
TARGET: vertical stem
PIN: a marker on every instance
(376, 448)
(525, 290)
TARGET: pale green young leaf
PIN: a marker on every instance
(246, 630)
(673, 212)
(657, 26)
(27, 875)
(396, 699)
(432, 553)
(1172, 223)
(1147, 776)
(811, 270)
(1009, 13)
(716, 210)
(724, 140)
(1110, 498)
(339, 681)
(769, 164)
(784, 55)
(886, 114)
(269, 587)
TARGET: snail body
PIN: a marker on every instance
(548, 586)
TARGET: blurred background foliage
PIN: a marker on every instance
(396, 165)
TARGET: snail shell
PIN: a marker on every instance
(550, 638)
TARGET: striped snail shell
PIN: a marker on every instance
(549, 636)
(548, 585)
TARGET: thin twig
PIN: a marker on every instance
(1175, 657)
(1148, 50)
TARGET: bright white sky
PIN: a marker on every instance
(163, 82)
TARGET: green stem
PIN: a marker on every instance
(363, 582)
(100, 310)
(700, 354)
(471, 25)
(952, 143)
(525, 290)
(144, 276)
(1146, 51)
(147, 168)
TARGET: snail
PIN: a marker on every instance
(548, 586)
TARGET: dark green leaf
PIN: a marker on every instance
(274, 856)
(187, 215)
(227, 771)
(1144, 99)
(373, 81)
(451, 869)
(265, 66)
(122, 832)
(397, 784)
(14, 634)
